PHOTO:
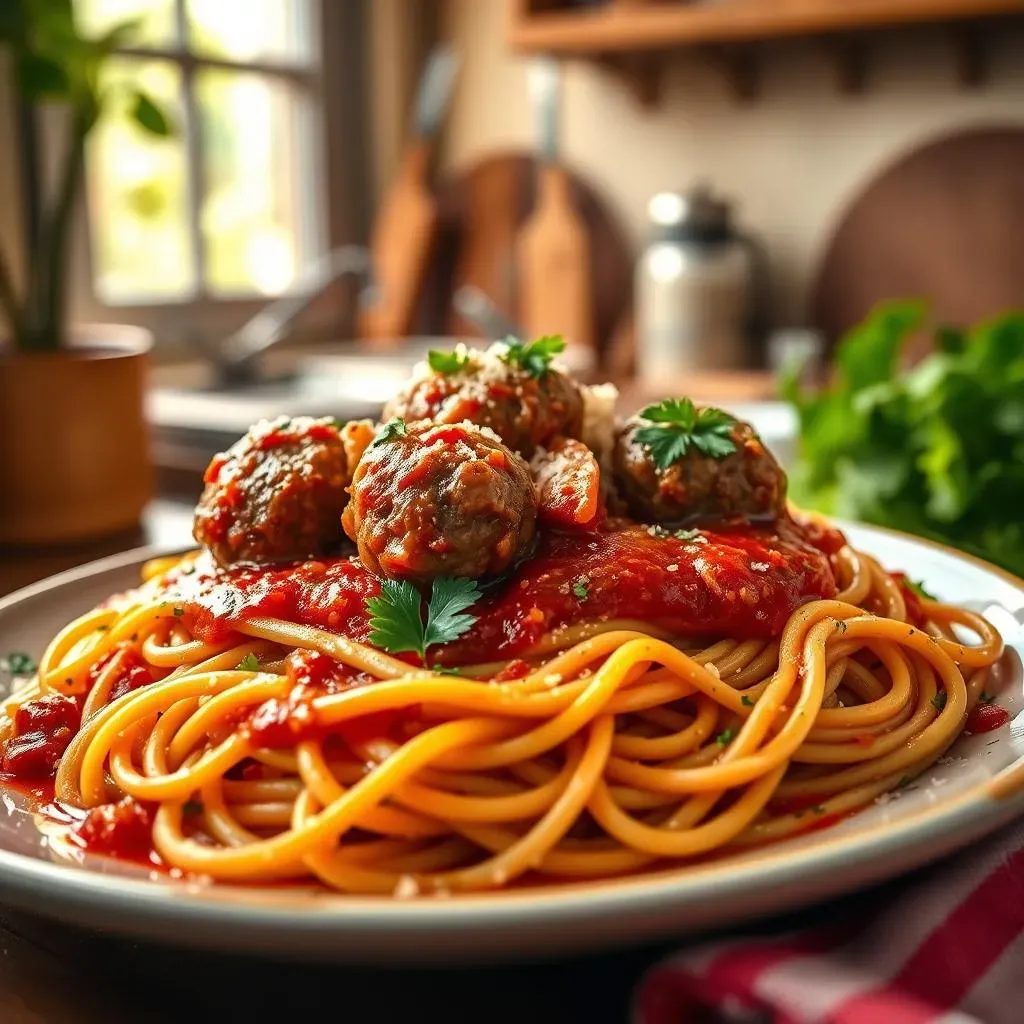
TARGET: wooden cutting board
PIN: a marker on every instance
(945, 223)
(481, 211)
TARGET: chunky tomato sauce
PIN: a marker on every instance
(740, 582)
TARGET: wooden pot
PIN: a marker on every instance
(74, 454)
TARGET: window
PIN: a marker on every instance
(223, 214)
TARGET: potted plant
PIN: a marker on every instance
(73, 454)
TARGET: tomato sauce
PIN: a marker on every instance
(741, 581)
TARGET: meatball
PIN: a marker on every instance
(440, 500)
(278, 493)
(524, 407)
(747, 483)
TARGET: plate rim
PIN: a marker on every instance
(54, 888)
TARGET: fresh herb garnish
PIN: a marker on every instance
(17, 663)
(725, 736)
(939, 700)
(192, 807)
(178, 611)
(535, 356)
(250, 663)
(918, 588)
(680, 426)
(446, 670)
(396, 615)
(579, 588)
(447, 362)
(687, 534)
(746, 701)
(389, 431)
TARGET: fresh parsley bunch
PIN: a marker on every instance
(937, 450)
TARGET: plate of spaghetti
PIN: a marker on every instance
(499, 674)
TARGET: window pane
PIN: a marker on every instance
(255, 155)
(137, 187)
(251, 29)
(156, 17)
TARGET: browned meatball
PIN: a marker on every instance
(278, 493)
(525, 409)
(748, 483)
(440, 500)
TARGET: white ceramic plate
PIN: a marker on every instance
(977, 788)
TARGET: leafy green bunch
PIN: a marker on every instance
(52, 62)
(936, 450)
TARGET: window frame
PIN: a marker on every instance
(334, 76)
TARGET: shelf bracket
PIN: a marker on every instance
(741, 66)
(641, 73)
(972, 55)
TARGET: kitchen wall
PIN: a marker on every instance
(792, 160)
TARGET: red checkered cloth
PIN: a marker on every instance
(946, 947)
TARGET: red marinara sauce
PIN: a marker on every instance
(739, 581)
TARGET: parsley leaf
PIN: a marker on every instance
(396, 624)
(746, 701)
(17, 663)
(396, 615)
(389, 431)
(725, 736)
(447, 362)
(534, 357)
(918, 588)
(679, 426)
(579, 588)
(939, 700)
(250, 663)
(447, 618)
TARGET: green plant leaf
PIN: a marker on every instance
(148, 115)
(41, 77)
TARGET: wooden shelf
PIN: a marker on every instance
(630, 28)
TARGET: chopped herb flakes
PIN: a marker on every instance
(725, 736)
(746, 701)
(250, 663)
(17, 663)
(939, 700)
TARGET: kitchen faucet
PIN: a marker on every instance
(235, 358)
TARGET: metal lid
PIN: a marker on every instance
(696, 214)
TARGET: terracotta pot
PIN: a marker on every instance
(74, 455)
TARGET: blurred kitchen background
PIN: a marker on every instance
(694, 192)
